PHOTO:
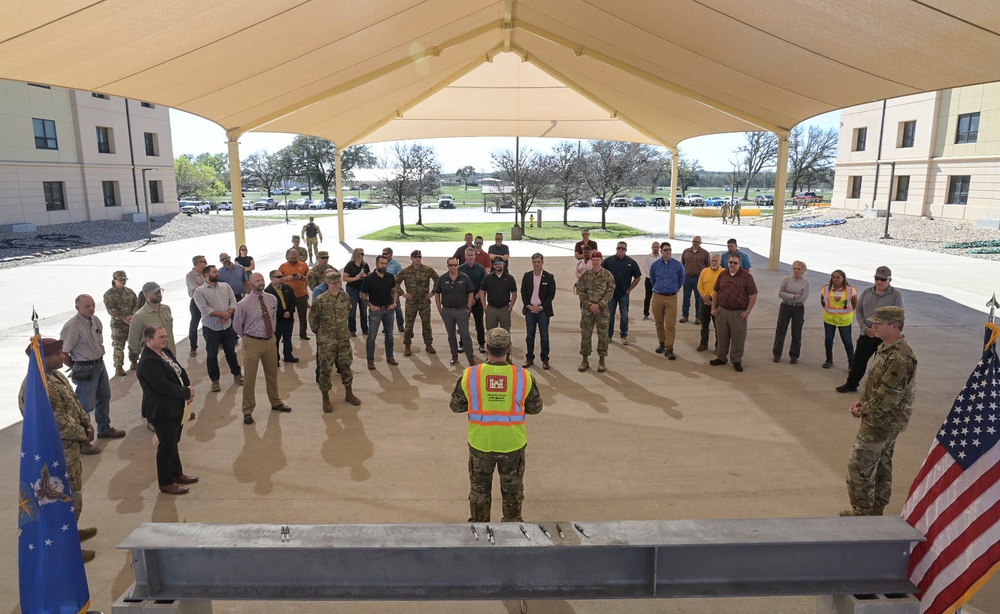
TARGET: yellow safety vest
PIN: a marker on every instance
(837, 309)
(496, 396)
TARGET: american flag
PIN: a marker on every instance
(955, 500)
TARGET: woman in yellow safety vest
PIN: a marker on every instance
(839, 299)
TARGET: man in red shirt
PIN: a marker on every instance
(733, 300)
(294, 272)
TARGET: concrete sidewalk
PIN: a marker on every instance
(648, 439)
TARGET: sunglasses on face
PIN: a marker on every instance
(877, 278)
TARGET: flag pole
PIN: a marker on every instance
(34, 318)
(992, 304)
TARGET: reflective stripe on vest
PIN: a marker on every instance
(474, 383)
(847, 301)
(496, 394)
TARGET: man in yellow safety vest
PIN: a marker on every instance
(496, 396)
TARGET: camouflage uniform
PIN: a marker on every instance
(594, 287)
(317, 275)
(312, 242)
(328, 320)
(120, 304)
(886, 405)
(419, 283)
(73, 424)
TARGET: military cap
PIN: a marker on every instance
(888, 314)
(295, 238)
(883, 271)
(497, 338)
(333, 276)
(119, 275)
(151, 287)
(323, 254)
(595, 254)
(49, 345)
(416, 254)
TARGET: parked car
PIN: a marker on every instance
(330, 203)
(446, 201)
(597, 201)
(581, 202)
(300, 203)
(658, 201)
(619, 201)
(766, 200)
(714, 201)
(695, 200)
(247, 205)
(264, 204)
(225, 206)
(807, 198)
(638, 201)
(681, 200)
(506, 202)
(353, 202)
(195, 206)
(731, 200)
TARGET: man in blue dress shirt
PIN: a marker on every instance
(667, 277)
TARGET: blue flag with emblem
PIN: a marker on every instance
(50, 563)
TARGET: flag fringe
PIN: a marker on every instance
(967, 595)
(994, 335)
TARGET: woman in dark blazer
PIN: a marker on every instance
(165, 391)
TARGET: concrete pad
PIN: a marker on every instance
(649, 439)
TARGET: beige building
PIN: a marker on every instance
(940, 154)
(74, 156)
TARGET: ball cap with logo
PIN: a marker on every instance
(497, 338)
(883, 271)
(888, 314)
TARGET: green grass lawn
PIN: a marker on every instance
(549, 232)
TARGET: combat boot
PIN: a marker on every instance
(584, 365)
(133, 366)
(430, 349)
(327, 406)
(119, 371)
(349, 396)
(600, 365)
(406, 350)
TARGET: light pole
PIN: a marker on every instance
(145, 195)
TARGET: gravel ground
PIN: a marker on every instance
(78, 239)
(905, 230)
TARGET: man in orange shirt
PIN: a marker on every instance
(294, 272)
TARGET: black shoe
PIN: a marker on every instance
(669, 353)
(282, 408)
(715, 362)
(291, 359)
(738, 366)
(776, 359)
(659, 349)
(248, 419)
(847, 388)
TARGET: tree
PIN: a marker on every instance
(314, 158)
(263, 169)
(407, 178)
(219, 162)
(810, 155)
(658, 168)
(611, 166)
(195, 180)
(529, 174)
(687, 173)
(760, 150)
(566, 180)
(737, 175)
(464, 173)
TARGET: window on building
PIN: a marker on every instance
(104, 140)
(148, 105)
(45, 133)
(958, 189)
(902, 187)
(968, 128)
(860, 139)
(55, 199)
(156, 191)
(110, 193)
(907, 133)
(152, 144)
(101, 96)
(854, 186)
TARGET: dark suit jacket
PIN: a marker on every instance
(289, 295)
(546, 290)
(162, 395)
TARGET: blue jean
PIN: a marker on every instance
(400, 323)
(845, 336)
(95, 396)
(381, 318)
(618, 300)
(352, 324)
(540, 321)
(691, 287)
(227, 339)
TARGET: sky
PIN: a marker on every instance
(194, 135)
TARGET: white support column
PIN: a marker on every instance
(674, 172)
(340, 193)
(780, 180)
(236, 181)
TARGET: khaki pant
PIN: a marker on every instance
(731, 334)
(664, 310)
(254, 351)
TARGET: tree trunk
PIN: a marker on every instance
(402, 229)
(420, 217)
(566, 214)
(604, 217)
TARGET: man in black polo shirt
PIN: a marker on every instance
(378, 292)
(476, 273)
(454, 295)
(627, 274)
(499, 291)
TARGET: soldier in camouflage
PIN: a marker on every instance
(303, 253)
(884, 409)
(594, 288)
(496, 446)
(419, 280)
(328, 320)
(121, 304)
(73, 423)
(317, 273)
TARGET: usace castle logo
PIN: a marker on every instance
(496, 383)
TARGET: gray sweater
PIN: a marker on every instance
(790, 287)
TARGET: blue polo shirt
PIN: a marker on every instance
(666, 277)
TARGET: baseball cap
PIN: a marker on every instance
(151, 287)
(497, 338)
(883, 271)
(120, 275)
(888, 314)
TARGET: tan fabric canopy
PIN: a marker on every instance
(642, 70)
